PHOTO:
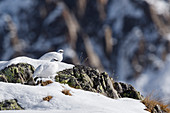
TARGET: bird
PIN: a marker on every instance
(46, 70)
(51, 55)
(49, 67)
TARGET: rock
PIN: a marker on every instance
(88, 79)
(10, 105)
(108, 88)
(3, 78)
(127, 90)
(18, 73)
(91, 79)
(157, 109)
(66, 77)
(80, 77)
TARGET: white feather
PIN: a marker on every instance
(46, 70)
(51, 55)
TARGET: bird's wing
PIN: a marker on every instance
(38, 71)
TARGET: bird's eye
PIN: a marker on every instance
(55, 59)
(61, 51)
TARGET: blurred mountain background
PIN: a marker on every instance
(129, 39)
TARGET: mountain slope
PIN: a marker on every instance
(31, 98)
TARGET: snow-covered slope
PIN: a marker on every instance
(31, 98)
(139, 35)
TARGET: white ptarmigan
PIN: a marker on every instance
(58, 56)
(46, 70)
(35, 62)
(49, 68)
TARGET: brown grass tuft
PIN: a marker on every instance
(48, 98)
(151, 103)
(66, 92)
(46, 83)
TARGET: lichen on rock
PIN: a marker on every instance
(3, 78)
(80, 77)
(88, 79)
(127, 90)
(66, 77)
(10, 105)
(18, 73)
(91, 79)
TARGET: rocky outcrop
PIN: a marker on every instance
(157, 109)
(18, 73)
(127, 90)
(91, 79)
(10, 105)
(80, 77)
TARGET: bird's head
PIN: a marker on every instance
(60, 51)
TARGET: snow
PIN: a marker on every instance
(45, 67)
(31, 98)
(34, 62)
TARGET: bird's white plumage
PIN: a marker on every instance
(46, 70)
(51, 55)
(49, 69)
(45, 67)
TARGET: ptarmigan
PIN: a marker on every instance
(46, 70)
(58, 56)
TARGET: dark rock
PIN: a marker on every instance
(3, 78)
(88, 79)
(18, 73)
(10, 105)
(127, 90)
(157, 109)
(91, 79)
(67, 78)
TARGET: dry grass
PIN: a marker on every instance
(66, 92)
(46, 82)
(151, 103)
(48, 98)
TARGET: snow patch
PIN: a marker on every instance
(31, 98)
